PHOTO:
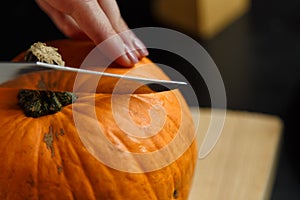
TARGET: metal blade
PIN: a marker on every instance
(11, 70)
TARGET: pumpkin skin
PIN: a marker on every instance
(45, 157)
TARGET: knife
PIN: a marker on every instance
(11, 70)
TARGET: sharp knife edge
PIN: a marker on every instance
(141, 79)
(155, 84)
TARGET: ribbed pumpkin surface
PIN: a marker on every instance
(47, 157)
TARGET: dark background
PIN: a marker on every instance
(257, 55)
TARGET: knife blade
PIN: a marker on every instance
(11, 70)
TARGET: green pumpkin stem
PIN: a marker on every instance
(37, 103)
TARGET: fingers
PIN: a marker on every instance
(112, 12)
(91, 18)
(63, 22)
(101, 22)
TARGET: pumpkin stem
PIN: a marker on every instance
(41, 52)
(37, 103)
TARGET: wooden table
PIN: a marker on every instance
(241, 166)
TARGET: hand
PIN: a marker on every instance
(97, 20)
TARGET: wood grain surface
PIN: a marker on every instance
(242, 163)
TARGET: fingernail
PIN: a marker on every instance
(140, 47)
(132, 57)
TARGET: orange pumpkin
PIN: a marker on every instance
(90, 150)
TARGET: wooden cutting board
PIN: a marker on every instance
(241, 166)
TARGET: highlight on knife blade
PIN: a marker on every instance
(140, 79)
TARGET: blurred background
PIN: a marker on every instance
(255, 44)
